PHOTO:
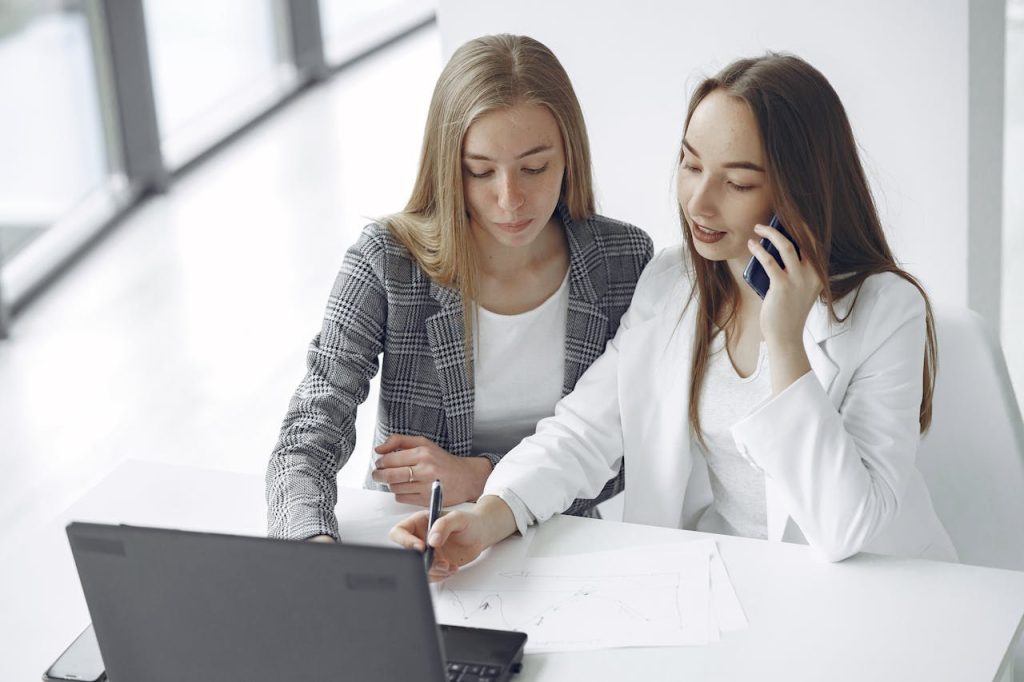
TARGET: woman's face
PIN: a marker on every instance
(512, 168)
(722, 185)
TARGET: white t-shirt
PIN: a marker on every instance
(738, 487)
(519, 368)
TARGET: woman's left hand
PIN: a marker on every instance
(410, 464)
(792, 293)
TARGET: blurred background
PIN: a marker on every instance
(180, 179)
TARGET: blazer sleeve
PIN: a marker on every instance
(318, 434)
(616, 484)
(575, 452)
(843, 472)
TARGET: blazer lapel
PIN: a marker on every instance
(586, 325)
(819, 328)
(446, 335)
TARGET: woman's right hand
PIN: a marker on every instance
(458, 537)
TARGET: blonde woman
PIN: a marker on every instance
(483, 301)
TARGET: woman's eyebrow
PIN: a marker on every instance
(748, 165)
(530, 152)
(743, 164)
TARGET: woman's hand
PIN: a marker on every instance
(784, 310)
(458, 537)
(411, 463)
(792, 293)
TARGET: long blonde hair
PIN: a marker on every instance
(821, 194)
(485, 74)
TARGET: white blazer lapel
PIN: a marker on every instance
(819, 328)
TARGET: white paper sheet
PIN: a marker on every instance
(727, 613)
(727, 608)
(631, 597)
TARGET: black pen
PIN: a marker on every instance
(435, 514)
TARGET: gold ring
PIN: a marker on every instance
(411, 478)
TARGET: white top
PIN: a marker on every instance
(737, 484)
(519, 368)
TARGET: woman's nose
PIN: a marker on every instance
(510, 194)
(701, 203)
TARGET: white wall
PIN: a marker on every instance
(901, 67)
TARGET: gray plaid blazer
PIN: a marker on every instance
(384, 306)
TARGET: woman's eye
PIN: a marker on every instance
(690, 168)
(741, 188)
(536, 171)
(484, 174)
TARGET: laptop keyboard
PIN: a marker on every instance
(472, 672)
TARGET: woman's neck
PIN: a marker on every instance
(514, 281)
(500, 262)
(749, 303)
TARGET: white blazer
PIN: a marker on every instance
(837, 447)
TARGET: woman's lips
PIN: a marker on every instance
(705, 235)
(514, 227)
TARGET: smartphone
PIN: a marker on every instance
(754, 273)
(80, 662)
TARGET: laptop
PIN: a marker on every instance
(171, 605)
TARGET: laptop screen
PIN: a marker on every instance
(170, 605)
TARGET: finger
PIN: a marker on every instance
(415, 488)
(767, 261)
(401, 458)
(444, 527)
(398, 441)
(387, 446)
(411, 532)
(436, 575)
(785, 247)
(442, 566)
(395, 475)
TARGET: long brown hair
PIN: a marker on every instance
(485, 74)
(820, 194)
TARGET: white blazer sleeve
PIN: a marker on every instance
(843, 473)
(574, 452)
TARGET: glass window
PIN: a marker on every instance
(351, 27)
(216, 65)
(1012, 313)
(53, 149)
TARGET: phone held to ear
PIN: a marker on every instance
(754, 273)
(80, 662)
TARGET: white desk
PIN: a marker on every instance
(867, 618)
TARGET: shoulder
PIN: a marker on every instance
(669, 264)
(612, 253)
(378, 241)
(890, 284)
(379, 250)
(884, 301)
(665, 284)
(618, 236)
(883, 304)
(598, 239)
